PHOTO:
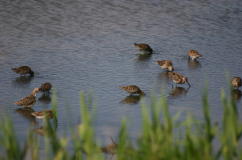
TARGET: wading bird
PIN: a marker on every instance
(28, 101)
(166, 64)
(23, 70)
(132, 89)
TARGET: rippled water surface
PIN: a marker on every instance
(87, 45)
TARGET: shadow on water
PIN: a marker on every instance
(45, 98)
(236, 94)
(22, 81)
(193, 64)
(178, 91)
(27, 113)
(131, 99)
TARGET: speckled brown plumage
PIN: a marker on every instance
(194, 54)
(28, 101)
(43, 114)
(45, 87)
(110, 149)
(132, 89)
(165, 64)
(178, 78)
(144, 47)
(236, 82)
(23, 70)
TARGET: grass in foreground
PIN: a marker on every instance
(162, 137)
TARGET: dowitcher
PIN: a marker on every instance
(193, 54)
(236, 82)
(110, 149)
(23, 70)
(178, 78)
(166, 64)
(45, 87)
(28, 101)
(144, 47)
(132, 89)
(43, 114)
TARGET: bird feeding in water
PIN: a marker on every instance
(166, 64)
(145, 48)
(178, 78)
(236, 82)
(23, 70)
(194, 54)
(45, 87)
(28, 101)
(43, 114)
(132, 89)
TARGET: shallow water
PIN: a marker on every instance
(88, 46)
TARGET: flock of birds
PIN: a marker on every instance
(167, 65)
(175, 77)
(30, 100)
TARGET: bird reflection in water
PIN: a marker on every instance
(45, 98)
(143, 57)
(27, 113)
(178, 91)
(23, 80)
(193, 64)
(131, 99)
(236, 94)
(40, 131)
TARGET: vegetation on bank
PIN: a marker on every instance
(162, 136)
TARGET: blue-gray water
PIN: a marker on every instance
(87, 45)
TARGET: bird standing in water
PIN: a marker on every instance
(144, 47)
(178, 78)
(43, 114)
(45, 87)
(236, 82)
(193, 54)
(132, 89)
(166, 64)
(23, 70)
(28, 101)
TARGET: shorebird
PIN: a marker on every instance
(28, 101)
(23, 70)
(132, 89)
(236, 82)
(45, 87)
(165, 64)
(111, 148)
(144, 47)
(193, 54)
(43, 114)
(178, 78)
